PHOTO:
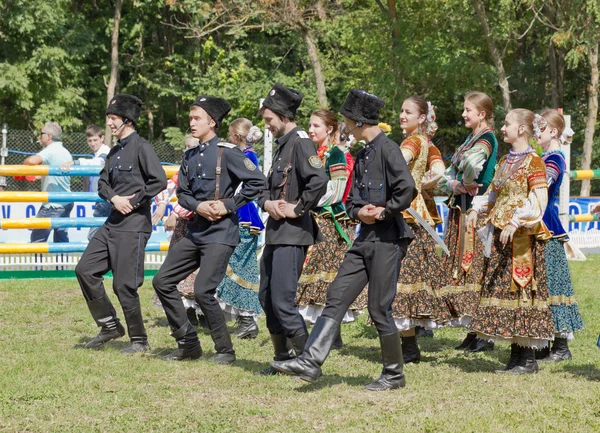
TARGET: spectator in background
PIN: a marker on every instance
(95, 140)
(53, 153)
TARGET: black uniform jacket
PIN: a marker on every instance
(306, 184)
(197, 183)
(382, 178)
(132, 167)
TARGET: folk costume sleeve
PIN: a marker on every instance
(435, 168)
(245, 171)
(401, 182)
(555, 165)
(448, 180)
(411, 148)
(473, 160)
(313, 175)
(532, 211)
(338, 176)
(152, 170)
(166, 195)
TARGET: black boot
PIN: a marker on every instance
(515, 355)
(283, 350)
(137, 332)
(410, 350)
(299, 343)
(560, 351)
(247, 327)
(308, 365)
(192, 316)
(392, 376)
(338, 343)
(223, 345)
(480, 345)
(527, 363)
(104, 315)
(467, 341)
(542, 353)
(423, 333)
(188, 345)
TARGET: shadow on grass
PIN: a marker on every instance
(588, 371)
(328, 381)
(476, 363)
(112, 344)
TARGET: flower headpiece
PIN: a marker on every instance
(432, 126)
(253, 131)
(539, 123)
(567, 136)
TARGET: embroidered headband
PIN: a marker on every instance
(567, 136)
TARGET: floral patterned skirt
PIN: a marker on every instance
(322, 263)
(421, 275)
(511, 313)
(239, 288)
(460, 289)
(565, 311)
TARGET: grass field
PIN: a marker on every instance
(48, 383)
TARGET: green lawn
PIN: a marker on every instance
(49, 384)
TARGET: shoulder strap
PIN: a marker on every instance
(218, 176)
(288, 168)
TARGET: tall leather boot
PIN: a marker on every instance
(299, 343)
(527, 363)
(188, 345)
(283, 350)
(410, 350)
(223, 345)
(308, 365)
(136, 331)
(392, 376)
(559, 352)
(338, 343)
(104, 316)
(480, 345)
(247, 328)
(471, 336)
(542, 353)
(515, 355)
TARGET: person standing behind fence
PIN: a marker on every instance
(130, 179)
(53, 153)
(95, 140)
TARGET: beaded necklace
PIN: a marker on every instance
(511, 165)
(553, 152)
(468, 143)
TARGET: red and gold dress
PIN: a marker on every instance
(417, 302)
(514, 305)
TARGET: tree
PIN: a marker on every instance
(114, 63)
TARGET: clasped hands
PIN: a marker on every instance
(212, 210)
(471, 189)
(505, 236)
(369, 214)
(280, 209)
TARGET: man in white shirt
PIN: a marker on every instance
(95, 140)
(53, 153)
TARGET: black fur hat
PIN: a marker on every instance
(217, 108)
(361, 106)
(283, 101)
(126, 106)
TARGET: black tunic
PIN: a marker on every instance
(132, 167)
(197, 183)
(382, 178)
(306, 184)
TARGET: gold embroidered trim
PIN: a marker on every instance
(327, 277)
(513, 304)
(460, 289)
(237, 279)
(557, 300)
(413, 288)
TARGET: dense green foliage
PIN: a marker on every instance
(55, 56)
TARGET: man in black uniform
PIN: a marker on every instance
(297, 181)
(208, 178)
(131, 177)
(382, 188)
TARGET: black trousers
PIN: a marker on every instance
(376, 263)
(183, 259)
(119, 252)
(280, 270)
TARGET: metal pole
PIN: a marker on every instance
(565, 187)
(268, 150)
(3, 152)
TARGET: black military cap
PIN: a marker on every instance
(283, 100)
(217, 108)
(126, 106)
(361, 106)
